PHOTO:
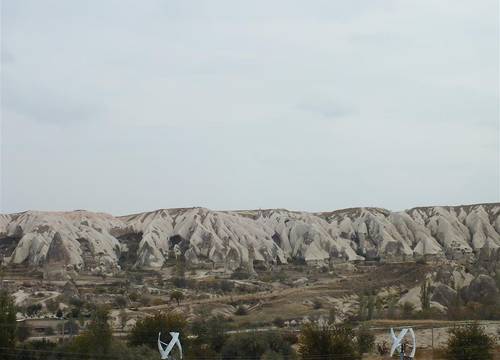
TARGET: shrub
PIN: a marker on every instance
(241, 310)
(317, 304)
(365, 340)
(33, 309)
(278, 322)
(328, 341)
(180, 282)
(255, 345)
(469, 342)
(240, 275)
(120, 301)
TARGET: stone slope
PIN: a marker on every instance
(85, 240)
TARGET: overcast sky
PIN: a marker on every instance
(125, 106)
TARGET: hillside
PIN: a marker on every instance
(83, 240)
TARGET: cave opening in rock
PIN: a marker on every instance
(7, 247)
(128, 256)
(174, 240)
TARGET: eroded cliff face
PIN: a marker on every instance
(83, 240)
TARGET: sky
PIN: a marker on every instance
(126, 106)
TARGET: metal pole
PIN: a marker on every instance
(432, 341)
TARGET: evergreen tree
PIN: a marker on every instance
(8, 324)
(425, 295)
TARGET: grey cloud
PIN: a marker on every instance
(45, 107)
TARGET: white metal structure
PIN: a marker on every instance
(397, 342)
(165, 352)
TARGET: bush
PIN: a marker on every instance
(120, 301)
(365, 340)
(328, 341)
(469, 342)
(255, 345)
(240, 275)
(33, 309)
(145, 331)
(278, 322)
(241, 310)
(180, 282)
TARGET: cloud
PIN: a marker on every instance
(45, 106)
(305, 105)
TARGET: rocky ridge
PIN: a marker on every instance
(83, 240)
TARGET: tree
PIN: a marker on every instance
(8, 324)
(59, 313)
(210, 332)
(366, 307)
(328, 341)
(97, 338)
(72, 327)
(469, 342)
(145, 331)
(177, 296)
(33, 309)
(425, 295)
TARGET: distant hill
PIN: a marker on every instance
(98, 242)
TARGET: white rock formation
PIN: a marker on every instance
(238, 239)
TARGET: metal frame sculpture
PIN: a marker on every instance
(398, 342)
(165, 352)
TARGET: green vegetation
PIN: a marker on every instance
(177, 296)
(469, 342)
(145, 331)
(96, 340)
(256, 346)
(8, 324)
(365, 340)
(328, 341)
(425, 295)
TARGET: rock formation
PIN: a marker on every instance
(83, 240)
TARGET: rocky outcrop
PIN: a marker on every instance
(83, 240)
(444, 295)
(481, 289)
